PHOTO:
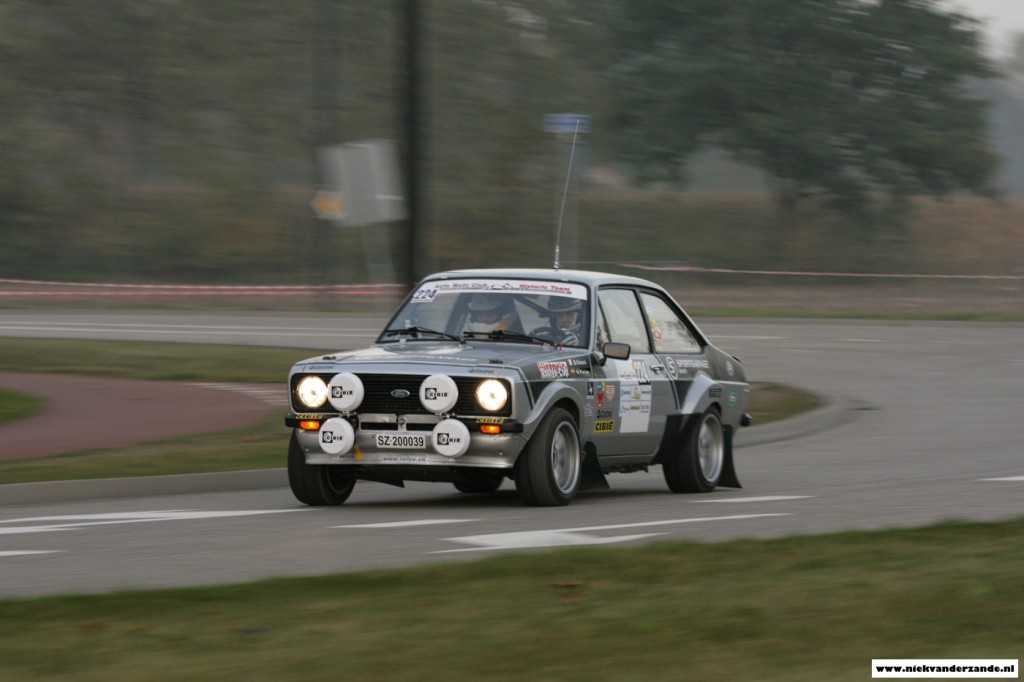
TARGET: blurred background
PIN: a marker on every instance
(722, 147)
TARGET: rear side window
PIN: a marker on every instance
(624, 319)
(669, 331)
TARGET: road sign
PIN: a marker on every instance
(364, 176)
(329, 205)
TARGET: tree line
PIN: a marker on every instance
(174, 138)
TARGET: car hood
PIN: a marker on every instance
(431, 356)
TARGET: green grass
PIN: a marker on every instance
(771, 402)
(802, 608)
(14, 405)
(260, 446)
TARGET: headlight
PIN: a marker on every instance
(312, 392)
(491, 395)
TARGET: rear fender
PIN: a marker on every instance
(701, 395)
(704, 392)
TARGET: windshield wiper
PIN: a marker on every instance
(412, 329)
(505, 335)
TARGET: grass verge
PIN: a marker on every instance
(802, 608)
(150, 360)
(15, 405)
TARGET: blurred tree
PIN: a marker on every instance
(836, 97)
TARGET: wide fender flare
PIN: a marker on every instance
(554, 393)
(699, 396)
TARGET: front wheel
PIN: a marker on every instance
(698, 467)
(314, 484)
(548, 471)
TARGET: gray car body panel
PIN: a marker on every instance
(623, 407)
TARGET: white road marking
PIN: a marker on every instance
(563, 537)
(17, 552)
(407, 524)
(862, 340)
(1008, 478)
(766, 498)
(540, 538)
(750, 338)
(49, 524)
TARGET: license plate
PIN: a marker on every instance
(397, 441)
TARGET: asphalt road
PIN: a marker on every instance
(931, 429)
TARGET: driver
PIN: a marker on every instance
(565, 320)
(490, 313)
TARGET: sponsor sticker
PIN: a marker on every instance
(553, 370)
(604, 426)
(429, 291)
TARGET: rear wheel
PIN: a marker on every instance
(315, 484)
(698, 467)
(548, 471)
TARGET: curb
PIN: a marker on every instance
(831, 414)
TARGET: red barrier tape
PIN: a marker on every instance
(111, 289)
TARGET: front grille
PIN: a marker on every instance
(378, 398)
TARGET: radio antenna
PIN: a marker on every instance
(565, 192)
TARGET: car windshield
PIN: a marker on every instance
(505, 310)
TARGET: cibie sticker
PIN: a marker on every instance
(345, 392)
(336, 436)
(450, 438)
(438, 393)
(604, 426)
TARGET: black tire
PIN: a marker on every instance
(698, 467)
(317, 485)
(479, 484)
(548, 471)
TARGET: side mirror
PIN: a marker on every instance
(616, 351)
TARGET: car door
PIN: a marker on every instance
(677, 345)
(632, 397)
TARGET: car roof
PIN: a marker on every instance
(587, 277)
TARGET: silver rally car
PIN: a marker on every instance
(552, 378)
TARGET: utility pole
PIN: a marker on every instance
(326, 105)
(415, 244)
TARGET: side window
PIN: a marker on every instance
(624, 319)
(668, 330)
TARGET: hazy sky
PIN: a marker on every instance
(1002, 19)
